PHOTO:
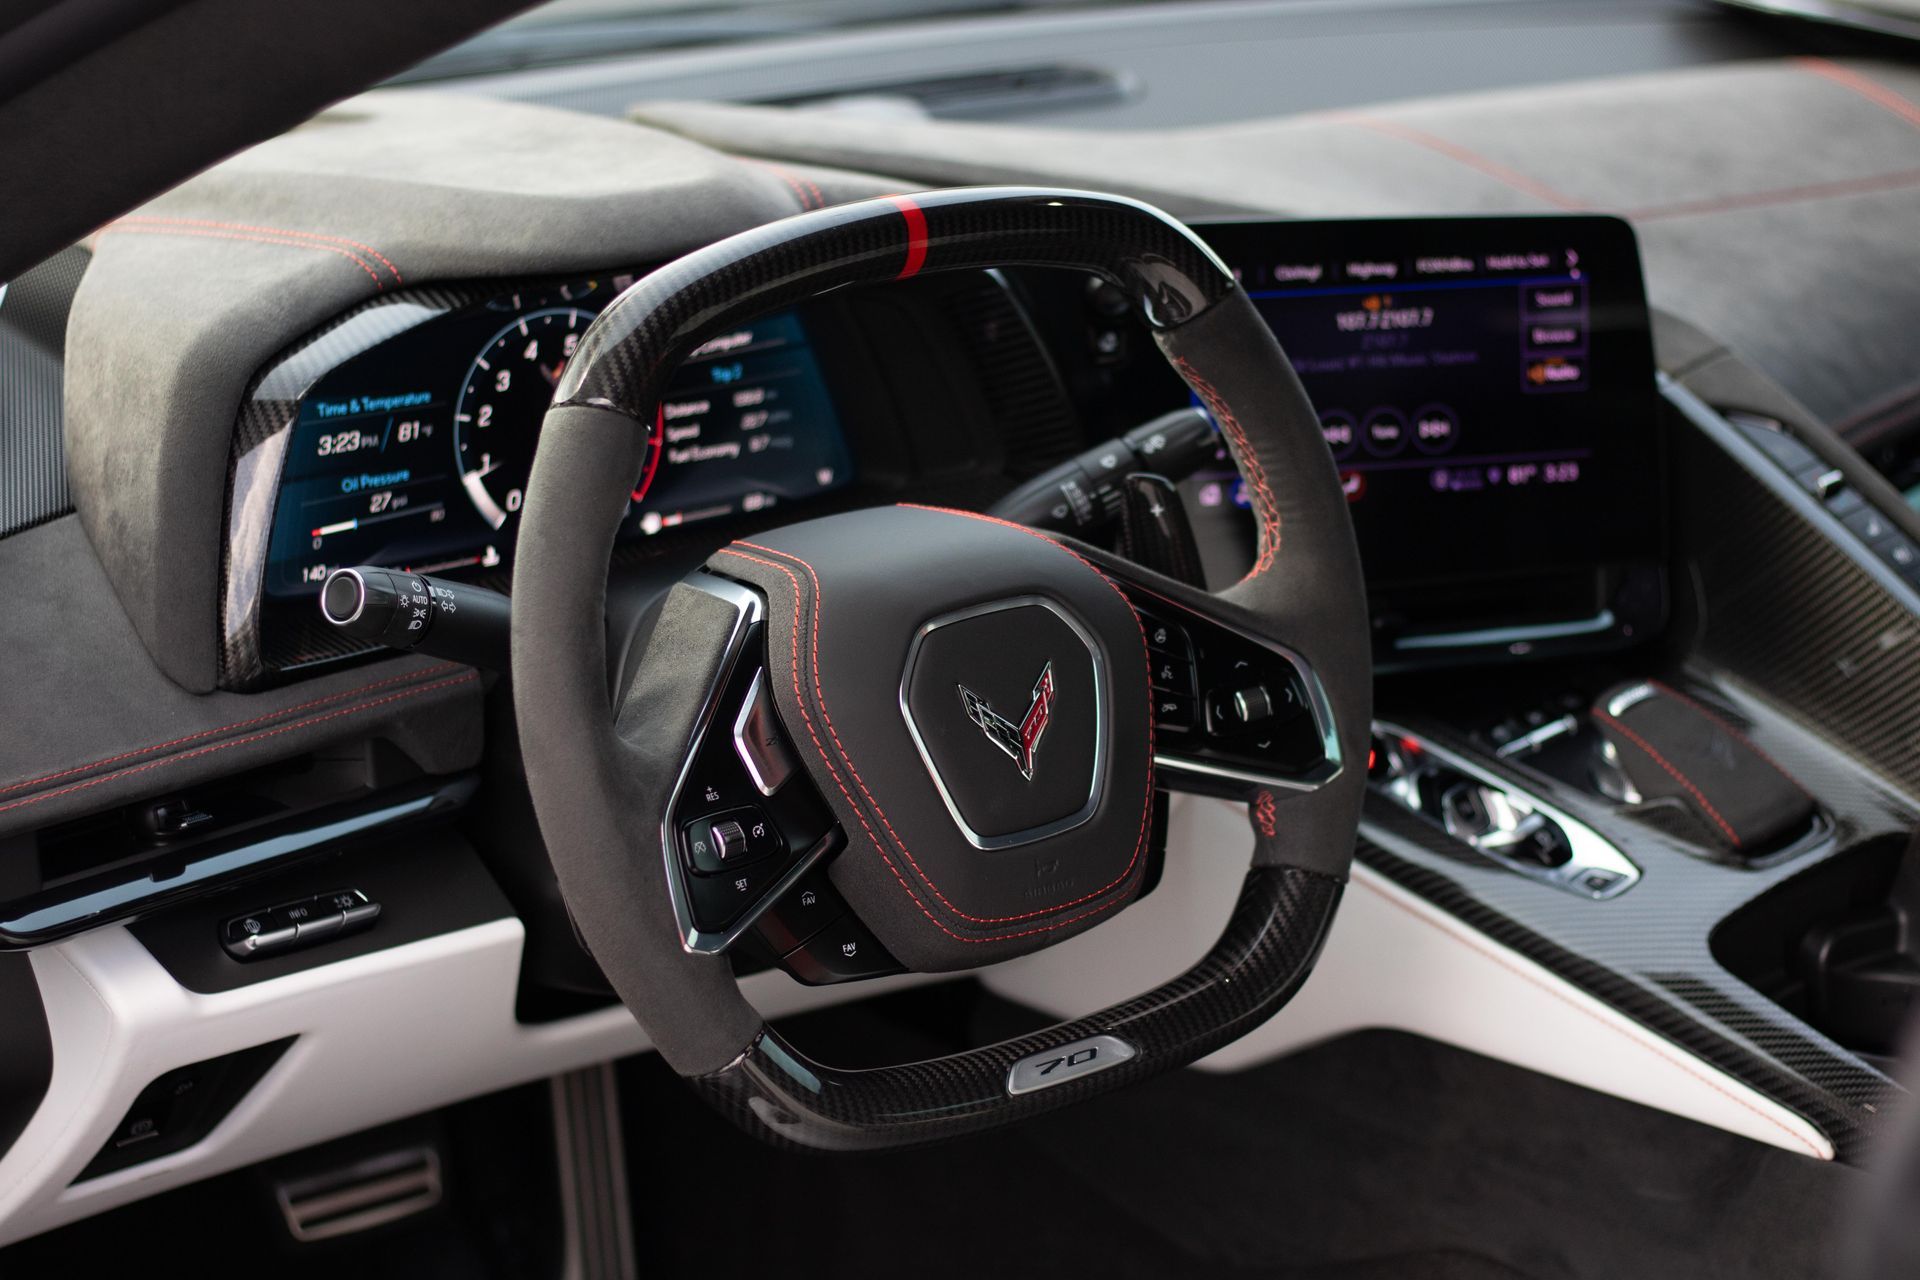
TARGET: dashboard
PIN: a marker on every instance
(1485, 387)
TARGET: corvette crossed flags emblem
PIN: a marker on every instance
(1018, 740)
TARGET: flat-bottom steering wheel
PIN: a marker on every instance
(926, 735)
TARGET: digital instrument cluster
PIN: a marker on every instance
(415, 452)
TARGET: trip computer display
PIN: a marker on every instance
(415, 453)
(1485, 385)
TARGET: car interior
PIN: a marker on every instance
(1143, 638)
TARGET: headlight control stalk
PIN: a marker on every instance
(413, 612)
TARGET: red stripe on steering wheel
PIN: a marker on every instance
(916, 236)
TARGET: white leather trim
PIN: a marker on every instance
(1391, 961)
(381, 1036)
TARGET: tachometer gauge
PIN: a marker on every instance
(497, 420)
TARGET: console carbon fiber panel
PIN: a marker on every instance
(1804, 650)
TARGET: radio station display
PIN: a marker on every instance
(416, 453)
(1485, 385)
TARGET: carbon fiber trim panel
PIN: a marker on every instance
(33, 336)
(1277, 928)
(248, 659)
(1809, 653)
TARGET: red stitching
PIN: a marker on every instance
(1454, 151)
(1867, 87)
(794, 181)
(1721, 721)
(120, 229)
(228, 728)
(1263, 814)
(1654, 1046)
(1895, 181)
(238, 742)
(847, 757)
(282, 231)
(834, 773)
(1267, 507)
(1678, 776)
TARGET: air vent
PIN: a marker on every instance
(1011, 91)
(362, 1195)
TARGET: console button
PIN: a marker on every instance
(841, 952)
(808, 907)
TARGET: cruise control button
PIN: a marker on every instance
(841, 952)
(719, 900)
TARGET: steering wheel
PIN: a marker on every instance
(942, 734)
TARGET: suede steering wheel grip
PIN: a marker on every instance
(601, 775)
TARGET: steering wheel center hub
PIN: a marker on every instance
(1007, 705)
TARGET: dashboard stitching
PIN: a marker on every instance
(1673, 770)
(278, 231)
(1256, 471)
(1895, 181)
(227, 728)
(793, 181)
(878, 846)
(119, 229)
(1657, 1047)
(1720, 720)
(1464, 155)
(238, 742)
(1867, 87)
(881, 814)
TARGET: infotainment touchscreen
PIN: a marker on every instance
(1486, 387)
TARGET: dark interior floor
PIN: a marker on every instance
(1379, 1154)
